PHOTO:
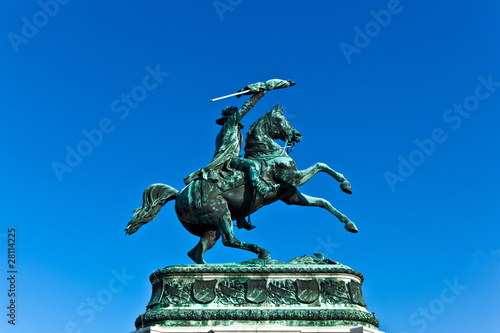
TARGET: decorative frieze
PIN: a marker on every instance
(246, 292)
(305, 291)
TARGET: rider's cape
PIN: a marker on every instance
(228, 146)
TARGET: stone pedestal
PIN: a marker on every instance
(306, 294)
(259, 329)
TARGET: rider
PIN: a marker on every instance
(228, 145)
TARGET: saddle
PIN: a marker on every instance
(223, 179)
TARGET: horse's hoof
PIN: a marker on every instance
(264, 254)
(345, 186)
(195, 257)
(351, 227)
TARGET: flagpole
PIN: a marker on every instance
(235, 94)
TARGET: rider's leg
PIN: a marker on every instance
(249, 167)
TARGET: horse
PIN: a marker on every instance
(206, 209)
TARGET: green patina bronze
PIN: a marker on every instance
(231, 188)
(305, 291)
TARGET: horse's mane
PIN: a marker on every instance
(260, 143)
(257, 123)
(265, 118)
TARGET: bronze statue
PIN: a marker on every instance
(231, 188)
(228, 146)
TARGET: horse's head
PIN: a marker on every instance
(281, 128)
(261, 135)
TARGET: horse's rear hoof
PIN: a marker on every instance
(345, 186)
(351, 227)
(264, 254)
(195, 256)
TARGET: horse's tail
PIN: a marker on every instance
(154, 197)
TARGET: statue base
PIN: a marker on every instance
(305, 294)
(255, 329)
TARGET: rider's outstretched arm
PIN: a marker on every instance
(247, 106)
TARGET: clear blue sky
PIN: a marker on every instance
(402, 98)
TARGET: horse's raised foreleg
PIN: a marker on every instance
(302, 199)
(207, 241)
(229, 239)
(301, 177)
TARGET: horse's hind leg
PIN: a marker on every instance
(302, 199)
(207, 241)
(229, 239)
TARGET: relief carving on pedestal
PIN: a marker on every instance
(335, 291)
(231, 293)
(282, 292)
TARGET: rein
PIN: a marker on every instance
(289, 144)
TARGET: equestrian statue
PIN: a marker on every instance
(231, 188)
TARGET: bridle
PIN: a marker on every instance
(289, 144)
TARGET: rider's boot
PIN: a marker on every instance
(241, 223)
